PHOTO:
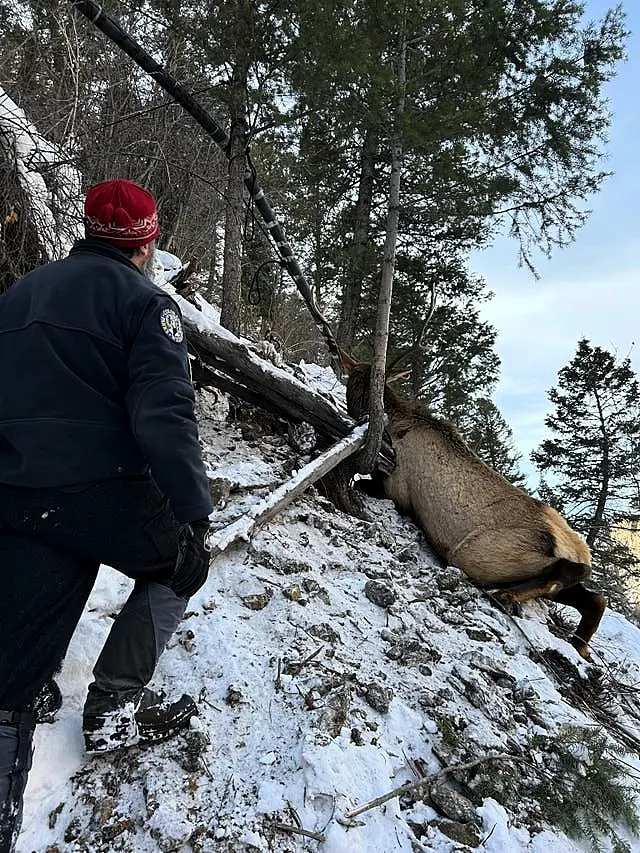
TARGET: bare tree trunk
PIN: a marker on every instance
(230, 315)
(358, 265)
(367, 460)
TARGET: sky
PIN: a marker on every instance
(589, 289)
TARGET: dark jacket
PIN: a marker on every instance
(95, 382)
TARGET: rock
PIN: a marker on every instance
(479, 634)
(111, 831)
(220, 489)
(379, 593)
(323, 595)
(234, 696)
(192, 747)
(324, 632)
(293, 593)
(451, 803)
(463, 833)
(408, 554)
(278, 563)
(375, 572)
(187, 639)
(407, 650)
(102, 812)
(394, 652)
(251, 431)
(258, 601)
(449, 579)
(379, 698)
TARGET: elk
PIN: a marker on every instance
(475, 519)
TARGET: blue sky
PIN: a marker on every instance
(590, 289)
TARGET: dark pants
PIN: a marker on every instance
(15, 763)
(52, 542)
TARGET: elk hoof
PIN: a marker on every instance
(582, 648)
(508, 602)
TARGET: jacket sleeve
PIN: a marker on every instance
(160, 402)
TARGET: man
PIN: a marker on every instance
(99, 463)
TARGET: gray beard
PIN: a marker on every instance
(147, 266)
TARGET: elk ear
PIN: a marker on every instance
(348, 363)
(398, 374)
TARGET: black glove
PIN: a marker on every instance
(194, 556)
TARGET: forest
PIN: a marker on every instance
(392, 138)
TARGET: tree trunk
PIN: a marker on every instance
(358, 263)
(230, 315)
(595, 526)
(368, 458)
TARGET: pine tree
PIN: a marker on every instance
(592, 455)
(504, 124)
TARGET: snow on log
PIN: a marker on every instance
(263, 511)
(42, 196)
(227, 363)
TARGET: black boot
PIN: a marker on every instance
(158, 719)
(150, 720)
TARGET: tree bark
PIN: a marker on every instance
(230, 316)
(358, 265)
(230, 366)
(368, 458)
(595, 526)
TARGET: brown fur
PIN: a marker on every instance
(475, 519)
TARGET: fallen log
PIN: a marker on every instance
(243, 527)
(223, 361)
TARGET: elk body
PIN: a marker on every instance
(476, 520)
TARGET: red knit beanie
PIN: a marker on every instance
(121, 212)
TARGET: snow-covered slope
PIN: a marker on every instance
(334, 660)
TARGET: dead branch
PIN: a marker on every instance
(285, 827)
(428, 780)
(243, 527)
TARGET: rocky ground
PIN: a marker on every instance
(335, 661)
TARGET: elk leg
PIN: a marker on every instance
(590, 605)
(556, 577)
(537, 588)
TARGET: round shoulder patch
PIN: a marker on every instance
(172, 325)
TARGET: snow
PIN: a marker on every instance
(56, 201)
(279, 749)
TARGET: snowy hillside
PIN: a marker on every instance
(334, 660)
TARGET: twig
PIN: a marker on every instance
(206, 769)
(484, 840)
(285, 827)
(412, 786)
(309, 658)
(267, 580)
